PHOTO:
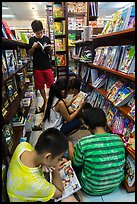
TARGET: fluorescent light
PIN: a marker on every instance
(5, 8)
(7, 16)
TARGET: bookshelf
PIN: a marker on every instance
(60, 17)
(13, 105)
(124, 37)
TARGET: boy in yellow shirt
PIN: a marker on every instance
(25, 178)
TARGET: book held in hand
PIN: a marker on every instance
(44, 47)
(69, 180)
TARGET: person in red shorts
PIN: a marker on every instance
(42, 67)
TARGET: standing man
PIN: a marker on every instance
(41, 64)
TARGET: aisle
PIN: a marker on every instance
(119, 195)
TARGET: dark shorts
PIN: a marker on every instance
(42, 77)
(70, 126)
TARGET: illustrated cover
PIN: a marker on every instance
(128, 59)
(106, 106)
(4, 63)
(104, 56)
(8, 31)
(113, 57)
(71, 23)
(69, 180)
(118, 125)
(71, 7)
(10, 59)
(123, 96)
(131, 102)
(79, 23)
(131, 141)
(107, 28)
(60, 44)
(71, 39)
(58, 10)
(81, 95)
(4, 34)
(130, 170)
(99, 81)
(80, 7)
(7, 133)
(93, 98)
(43, 47)
(102, 101)
(113, 90)
(131, 22)
(97, 55)
(111, 82)
(122, 22)
(115, 17)
(122, 53)
(61, 59)
(58, 28)
(98, 101)
(132, 112)
(111, 115)
(128, 126)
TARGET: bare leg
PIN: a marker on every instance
(43, 94)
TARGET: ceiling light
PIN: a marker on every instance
(7, 16)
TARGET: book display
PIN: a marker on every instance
(60, 26)
(116, 70)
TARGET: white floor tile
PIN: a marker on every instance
(88, 198)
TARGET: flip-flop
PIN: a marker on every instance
(39, 110)
(37, 127)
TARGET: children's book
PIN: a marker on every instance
(71, 23)
(70, 181)
(128, 62)
(111, 115)
(131, 22)
(115, 17)
(130, 170)
(4, 63)
(99, 81)
(10, 59)
(93, 75)
(61, 59)
(58, 28)
(106, 106)
(128, 126)
(71, 39)
(131, 141)
(43, 47)
(118, 125)
(93, 98)
(104, 56)
(123, 96)
(113, 57)
(122, 22)
(97, 55)
(132, 112)
(60, 44)
(131, 102)
(107, 28)
(112, 92)
(58, 10)
(81, 95)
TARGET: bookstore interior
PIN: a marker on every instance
(91, 41)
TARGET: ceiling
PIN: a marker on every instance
(25, 12)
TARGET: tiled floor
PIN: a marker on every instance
(119, 195)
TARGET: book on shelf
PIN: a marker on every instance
(107, 27)
(71, 7)
(44, 46)
(123, 96)
(131, 22)
(132, 112)
(104, 56)
(130, 170)
(60, 44)
(59, 28)
(128, 61)
(20, 79)
(61, 59)
(26, 102)
(115, 16)
(5, 100)
(99, 81)
(131, 102)
(112, 92)
(98, 51)
(122, 21)
(7, 132)
(84, 72)
(128, 127)
(4, 34)
(131, 140)
(8, 31)
(118, 124)
(98, 100)
(18, 121)
(10, 59)
(70, 181)
(24, 38)
(71, 23)
(111, 115)
(92, 75)
(106, 106)
(92, 9)
(4, 63)
(58, 11)
(71, 39)
(79, 23)
(11, 89)
(92, 98)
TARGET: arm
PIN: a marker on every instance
(60, 107)
(78, 155)
(56, 180)
(32, 49)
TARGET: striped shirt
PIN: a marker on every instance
(102, 158)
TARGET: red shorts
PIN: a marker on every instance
(42, 77)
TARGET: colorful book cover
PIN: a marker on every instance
(8, 31)
(4, 34)
(111, 82)
(130, 170)
(93, 98)
(4, 63)
(61, 59)
(106, 106)
(128, 59)
(128, 126)
(111, 115)
(113, 90)
(72, 7)
(58, 28)
(113, 57)
(131, 102)
(107, 28)
(104, 56)
(115, 17)
(71, 23)
(79, 23)
(99, 81)
(131, 141)
(60, 44)
(132, 112)
(123, 19)
(131, 22)
(118, 125)
(7, 133)
(123, 96)
(58, 10)
(71, 39)
(97, 55)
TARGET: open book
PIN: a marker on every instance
(69, 180)
(44, 46)
(80, 96)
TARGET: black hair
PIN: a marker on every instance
(74, 83)
(55, 91)
(36, 26)
(52, 140)
(94, 117)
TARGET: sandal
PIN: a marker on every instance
(39, 110)
(37, 127)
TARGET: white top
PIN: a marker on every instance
(55, 118)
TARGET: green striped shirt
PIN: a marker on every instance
(102, 158)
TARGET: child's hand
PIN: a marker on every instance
(81, 102)
(35, 44)
(47, 169)
(61, 163)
